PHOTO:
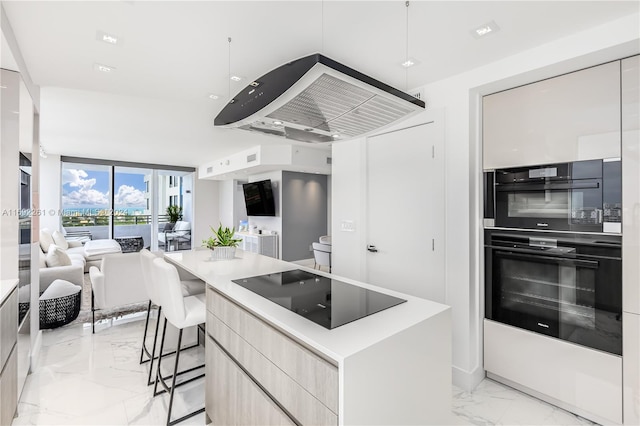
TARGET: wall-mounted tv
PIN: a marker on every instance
(258, 197)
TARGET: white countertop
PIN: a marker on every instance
(6, 287)
(336, 344)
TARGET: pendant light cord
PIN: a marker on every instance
(322, 27)
(406, 56)
(229, 70)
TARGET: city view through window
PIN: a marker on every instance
(102, 201)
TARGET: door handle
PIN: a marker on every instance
(372, 249)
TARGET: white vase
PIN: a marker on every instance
(223, 253)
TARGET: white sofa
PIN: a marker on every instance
(118, 282)
(73, 273)
(72, 270)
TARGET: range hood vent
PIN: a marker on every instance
(316, 99)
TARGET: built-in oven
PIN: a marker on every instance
(582, 196)
(563, 285)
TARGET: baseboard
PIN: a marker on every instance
(571, 408)
(467, 380)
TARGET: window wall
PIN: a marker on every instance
(115, 200)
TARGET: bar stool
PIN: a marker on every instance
(189, 288)
(181, 312)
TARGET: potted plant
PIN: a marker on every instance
(174, 212)
(222, 244)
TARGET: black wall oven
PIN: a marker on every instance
(582, 196)
(563, 285)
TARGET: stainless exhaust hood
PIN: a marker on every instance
(316, 99)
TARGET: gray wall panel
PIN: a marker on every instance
(304, 213)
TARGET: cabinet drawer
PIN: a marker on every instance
(312, 373)
(232, 398)
(9, 389)
(303, 406)
(8, 326)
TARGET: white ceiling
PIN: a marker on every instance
(177, 51)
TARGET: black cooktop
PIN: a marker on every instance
(325, 301)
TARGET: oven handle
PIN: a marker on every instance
(510, 187)
(593, 264)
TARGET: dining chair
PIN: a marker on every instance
(321, 255)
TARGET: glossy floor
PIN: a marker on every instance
(95, 379)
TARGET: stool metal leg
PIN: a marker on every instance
(174, 376)
(155, 340)
(93, 314)
(144, 349)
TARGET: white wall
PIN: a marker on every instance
(232, 208)
(50, 189)
(459, 96)
(206, 210)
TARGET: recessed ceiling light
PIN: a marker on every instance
(485, 29)
(277, 123)
(236, 78)
(212, 96)
(409, 62)
(103, 68)
(108, 38)
(335, 136)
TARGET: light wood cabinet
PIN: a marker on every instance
(571, 117)
(8, 358)
(232, 398)
(303, 383)
(9, 389)
(8, 326)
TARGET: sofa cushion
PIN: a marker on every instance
(46, 239)
(57, 257)
(60, 288)
(60, 240)
(42, 260)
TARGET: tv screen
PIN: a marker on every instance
(258, 197)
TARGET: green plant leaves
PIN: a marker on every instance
(222, 237)
(174, 212)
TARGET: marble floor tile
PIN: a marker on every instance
(493, 403)
(96, 379)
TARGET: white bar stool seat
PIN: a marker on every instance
(182, 312)
(189, 287)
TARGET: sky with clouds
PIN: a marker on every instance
(84, 188)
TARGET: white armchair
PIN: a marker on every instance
(118, 282)
(181, 233)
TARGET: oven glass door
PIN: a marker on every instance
(568, 205)
(558, 293)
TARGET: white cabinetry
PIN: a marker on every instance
(631, 238)
(571, 117)
(258, 243)
(585, 381)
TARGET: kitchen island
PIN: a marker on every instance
(265, 364)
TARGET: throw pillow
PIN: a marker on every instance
(60, 288)
(59, 240)
(57, 257)
(45, 240)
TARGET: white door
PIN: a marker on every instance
(405, 211)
